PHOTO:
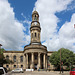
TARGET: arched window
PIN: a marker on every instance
(21, 58)
(14, 66)
(7, 57)
(35, 18)
(21, 66)
(7, 66)
(35, 34)
(14, 58)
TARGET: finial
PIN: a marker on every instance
(34, 8)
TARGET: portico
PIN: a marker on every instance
(35, 61)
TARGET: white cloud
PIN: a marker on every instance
(67, 34)
(11, 30)
(55, 40)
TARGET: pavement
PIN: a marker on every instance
(42, 73)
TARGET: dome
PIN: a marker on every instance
(35, 12)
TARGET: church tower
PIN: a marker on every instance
(35, 53)
(35, 28)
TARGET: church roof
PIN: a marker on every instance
(12, 51)
(35, 12)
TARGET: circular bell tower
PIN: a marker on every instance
(35, 53)
(35, 28)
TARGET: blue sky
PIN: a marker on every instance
(56, 21)
(24, 6)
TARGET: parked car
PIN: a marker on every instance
(72, 72)
(3, 71)
(18, 70)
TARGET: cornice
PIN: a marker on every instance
(13, 51)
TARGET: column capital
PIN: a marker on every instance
(39, 53)
(44, 53)
(32, 52)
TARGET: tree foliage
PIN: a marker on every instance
(2, 58)
(1, 50)
(67, 57)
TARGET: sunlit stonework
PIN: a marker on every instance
(35, 55)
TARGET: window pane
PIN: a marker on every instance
(21, 59)
(1, 71)
(35, 18)
(7, 57)
(14, 58)
(7, 66)
(21, 66)
(14, 66)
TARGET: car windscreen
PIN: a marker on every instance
(1, 71)
(72, 70)
(5, 70)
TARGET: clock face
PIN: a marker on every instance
(35, 23)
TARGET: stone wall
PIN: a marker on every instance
(18, 63)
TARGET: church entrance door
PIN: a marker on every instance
(35, 66)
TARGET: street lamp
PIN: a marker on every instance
(70, 66)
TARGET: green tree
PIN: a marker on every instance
(67, 57)
(2, 58)
(1, 50)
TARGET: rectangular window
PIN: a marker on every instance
(21, 66)
(21, 59)
(7, 66)
(14, 66)
(14, 58)
(1, 72)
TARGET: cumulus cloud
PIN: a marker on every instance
(12, 32)
(53, 38)
(12, 35)
(67, 34)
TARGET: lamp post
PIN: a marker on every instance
(70, 66)
(60, 61)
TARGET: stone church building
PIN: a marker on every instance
(35, 55)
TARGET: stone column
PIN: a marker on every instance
(38, 61)
(32, 63)
(27, 61)
(44, 61)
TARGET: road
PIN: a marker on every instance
(41, 73)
